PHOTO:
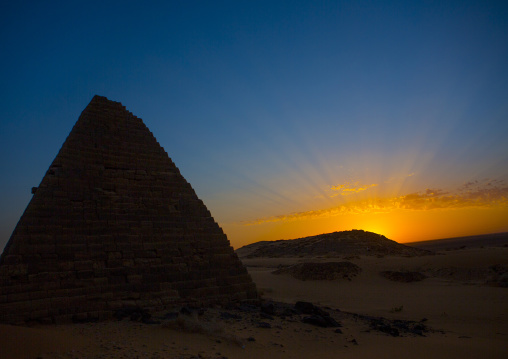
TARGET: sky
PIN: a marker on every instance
(288, 118)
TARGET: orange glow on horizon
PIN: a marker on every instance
(402, 226)
(394, 205)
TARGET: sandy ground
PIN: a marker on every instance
(469, 318)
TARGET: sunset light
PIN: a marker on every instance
(473, 208)
(290, 119)
(254, 179)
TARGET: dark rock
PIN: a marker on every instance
(321, 321)
(251, 339)
(305, 307)
(309, 308)
(338, 331)
(418, 329)
(288, 312)
(266, 316)
(268, 308)
(124, 312)
(332, 323)
(315, 320)
(248, 308)
(135, 314)
(395, 328)
(264, 325)
(418, 332)
(170, 316)
(227, 315)
(186, 311)
(382, 325)
(394, 332)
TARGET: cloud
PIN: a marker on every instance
(395, 178)
(350, 188)
(477, 194)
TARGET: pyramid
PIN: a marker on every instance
(114, 224)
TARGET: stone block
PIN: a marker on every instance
(84, 265)
(40, 314)
(117, 279)
(12, 259)
(40, 294)
(19, 297)
(63, 319)
(114, 263)
(49, 285)
(85, 274)
(41, 303)
(65, 266)
(135, 278)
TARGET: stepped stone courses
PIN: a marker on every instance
(113, 224)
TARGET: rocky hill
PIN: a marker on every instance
(336, 244)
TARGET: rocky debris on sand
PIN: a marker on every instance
(498, 276)
(135, 314)
(212, 321)
(394, 327)
(266, 316)
(404, 276)
(192, 311)
(318, 316)
(321, 271)
(264, 325)
(309, 308)
(321, 321)
(268, 308)
(494, 275)
(227, 315)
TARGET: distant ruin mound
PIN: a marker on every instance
(331, 245)
(321, 271)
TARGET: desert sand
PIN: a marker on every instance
(462, 303)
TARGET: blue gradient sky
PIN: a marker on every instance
(267, 106)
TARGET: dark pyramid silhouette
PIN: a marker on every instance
(114, 224)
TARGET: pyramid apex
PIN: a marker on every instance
(99, 101)
(99, 98)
